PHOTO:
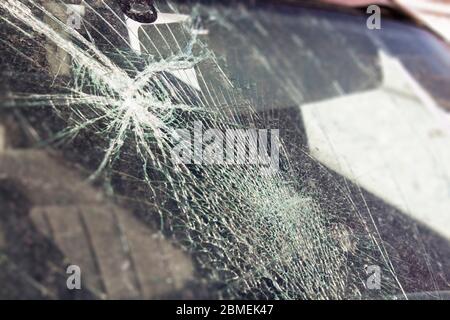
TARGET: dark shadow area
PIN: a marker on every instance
(31, 266)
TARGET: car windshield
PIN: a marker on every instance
(221, 150)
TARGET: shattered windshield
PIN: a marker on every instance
(221, 150)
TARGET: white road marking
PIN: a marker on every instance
(391, 142)
(189, 75)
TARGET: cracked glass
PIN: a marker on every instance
(90, 101)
